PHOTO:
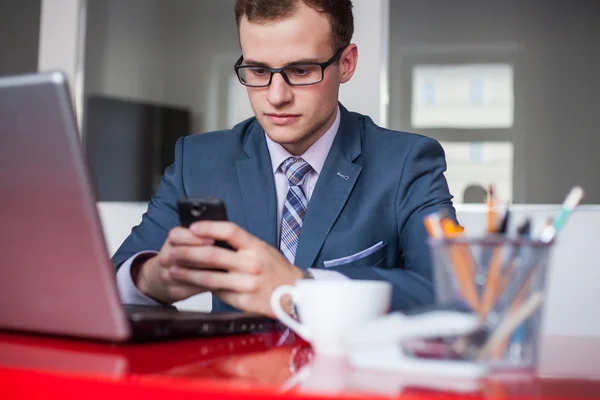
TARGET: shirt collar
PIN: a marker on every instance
(316, 154)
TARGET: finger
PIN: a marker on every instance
(215, 257)
(165, 256)
(180, 236)
(230, 281)
(230, 297)
(179, 290)
(242, 301)
(226, 231)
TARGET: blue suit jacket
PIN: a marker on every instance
(376, 186)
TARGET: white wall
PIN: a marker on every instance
(125, 49)
(59, 36)
(62, 26)
(367, 92)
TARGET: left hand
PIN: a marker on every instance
(254, 270)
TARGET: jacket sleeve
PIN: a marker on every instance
(422, 190)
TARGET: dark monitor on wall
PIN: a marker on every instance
(129, 144)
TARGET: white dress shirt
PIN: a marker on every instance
(315, 156)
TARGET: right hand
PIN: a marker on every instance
(152, 277)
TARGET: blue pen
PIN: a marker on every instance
(571, 201)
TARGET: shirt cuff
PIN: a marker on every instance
(326, 275)
(129, 293)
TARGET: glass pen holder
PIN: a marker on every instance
(503, 281)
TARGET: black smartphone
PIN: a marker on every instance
(202, 209)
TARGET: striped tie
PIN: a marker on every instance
(294, 209)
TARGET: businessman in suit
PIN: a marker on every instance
(312, 190)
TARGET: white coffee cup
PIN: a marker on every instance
(329, 309)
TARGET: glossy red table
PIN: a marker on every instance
(253, 366)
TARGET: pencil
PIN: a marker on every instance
(462, 263)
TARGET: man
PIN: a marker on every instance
(311, 189)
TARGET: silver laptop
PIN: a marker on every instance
(56, 274)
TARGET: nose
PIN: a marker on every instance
(280, 92)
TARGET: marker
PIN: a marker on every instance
(572, 200)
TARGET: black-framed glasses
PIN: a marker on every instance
(301, 74)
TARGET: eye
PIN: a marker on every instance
(300, 71)
(259, 71)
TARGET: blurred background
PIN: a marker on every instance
(510, 88)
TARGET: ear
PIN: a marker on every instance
(348, 62)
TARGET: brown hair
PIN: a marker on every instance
(339, 13)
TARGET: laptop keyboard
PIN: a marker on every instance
(164, 322)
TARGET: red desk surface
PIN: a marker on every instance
(252, 366)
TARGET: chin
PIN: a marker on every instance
(284, 135)
(279, 133)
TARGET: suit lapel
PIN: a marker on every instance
(336, 181)
(255, 175)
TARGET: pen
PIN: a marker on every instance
(509, 323)
(571, 201)
(515, 343)
(492, 281)
(523, 232)
(515, 286)
(433, 224)
(491, 220)
(503, 226)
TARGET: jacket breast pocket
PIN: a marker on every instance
(370, 257)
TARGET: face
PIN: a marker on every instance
(295, 116)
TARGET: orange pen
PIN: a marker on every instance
(462, 263)
(433, 225)
(491, 203)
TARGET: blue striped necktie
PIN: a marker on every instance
(294, 209)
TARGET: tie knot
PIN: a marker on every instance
(295, 169)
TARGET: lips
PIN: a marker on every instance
(282, 119)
